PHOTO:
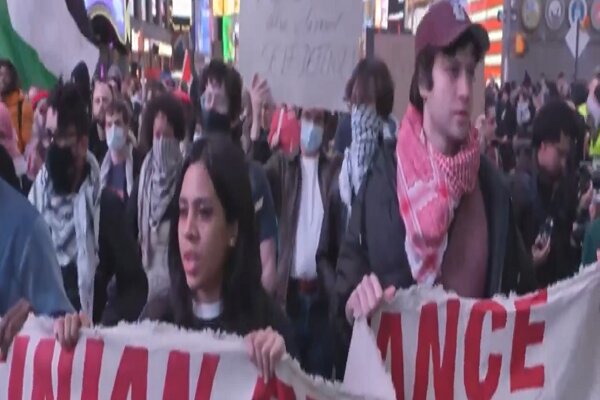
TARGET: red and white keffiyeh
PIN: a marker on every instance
(430, 186)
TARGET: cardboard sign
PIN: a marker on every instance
(146, 361)
(437, 345)
(306, 49)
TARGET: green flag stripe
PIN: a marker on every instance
(31, 70)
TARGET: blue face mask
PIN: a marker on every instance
(311, 136)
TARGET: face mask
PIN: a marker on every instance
(166, 152)
(311, 136)
(60, 164)
(213, 121)
(115, 138)
(197, 136)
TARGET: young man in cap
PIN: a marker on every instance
(432, 210)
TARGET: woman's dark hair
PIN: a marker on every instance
(552, 120)
(423, 74)
(377, 72)
(14, 83)
(172, 108)
(244, 300)
(219, 72)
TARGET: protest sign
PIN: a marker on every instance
(146, 361)
(306, 49)
(437, 345)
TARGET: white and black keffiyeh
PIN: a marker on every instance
(157, 185)
(367, 128)
(74, 222)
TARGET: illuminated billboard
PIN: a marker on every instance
(114, 11)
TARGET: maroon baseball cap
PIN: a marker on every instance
(446, 21)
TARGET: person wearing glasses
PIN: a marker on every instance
(85, 221)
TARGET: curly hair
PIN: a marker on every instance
(69, 105)
(219, 72)
(172, 108)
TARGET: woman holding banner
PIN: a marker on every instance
(214, 260)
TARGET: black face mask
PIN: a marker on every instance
(213, 122)
(60, 164)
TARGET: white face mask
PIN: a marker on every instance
(197, 136)
(115, 137)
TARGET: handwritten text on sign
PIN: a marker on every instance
(146, 362)
(306, 49)
(539, 346)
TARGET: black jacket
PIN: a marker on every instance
(119, 259)
(534, 202)
(374, 241)
(97, 146)
(161, 309)
(333, 229)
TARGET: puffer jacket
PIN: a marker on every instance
(21, 114)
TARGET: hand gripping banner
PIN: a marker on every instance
(545, 345)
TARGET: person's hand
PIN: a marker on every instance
(260, 95)
(266, 348)
(367, 296)
(540, 251)
(11, 324)
(67, 328)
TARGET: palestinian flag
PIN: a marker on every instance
(43, 41)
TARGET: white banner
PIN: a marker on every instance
(306, 49)
(541, 346)
(544, 345)
(146, 361)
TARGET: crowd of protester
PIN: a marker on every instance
(123, 199)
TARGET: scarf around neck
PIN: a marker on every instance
(157, 185)
(430, 186)
(74, 222)
(367, 127)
